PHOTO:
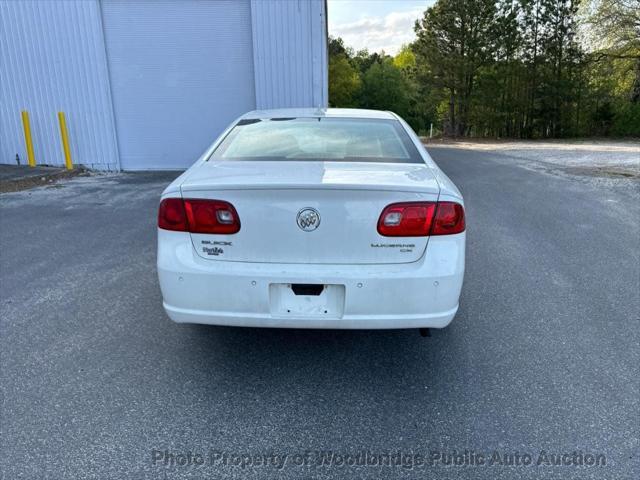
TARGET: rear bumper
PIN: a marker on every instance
(412, 295)
(355, 322)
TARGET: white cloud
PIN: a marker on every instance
(386, 33)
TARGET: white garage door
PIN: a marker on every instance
(180, 71)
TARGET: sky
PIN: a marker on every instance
(375, 24)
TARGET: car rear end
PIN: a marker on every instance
(366, 238)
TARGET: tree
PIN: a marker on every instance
(336, 47)
(506, 68)
(499, 97)
(405, 59)
(455, 40)
(562, 57)
(384, 88)
(614, 26)
(344, 79)
(612, 34)
(420, 106)
(362, 60)
(345, 82)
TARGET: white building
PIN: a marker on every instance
(150, 84)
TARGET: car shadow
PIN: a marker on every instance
(359, 362)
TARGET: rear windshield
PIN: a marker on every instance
(318, 139)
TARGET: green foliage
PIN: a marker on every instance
(454, 41)
(384, 88)
(613, 29)
(345, 82)
(362, 60)
(405, 59)
(505, 68)
(374, 80)
(336, 47)
(626, 121)
(613, 25)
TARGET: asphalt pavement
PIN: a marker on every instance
(540, 365)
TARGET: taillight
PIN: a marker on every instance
(406, 219)
(171, 215)
(211, 216)
(449, 219)
(420, 219)
(198, 216)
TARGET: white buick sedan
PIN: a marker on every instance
(313, 219)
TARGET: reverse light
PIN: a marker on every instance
(392, 219)
(420, 219)
(198, 216)
(224, 216)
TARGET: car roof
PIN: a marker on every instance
(319, 112)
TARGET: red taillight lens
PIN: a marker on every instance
(211, 216)
(419, 219)
(198, 216)
(171, 215)
(406, 219)
(449, 219)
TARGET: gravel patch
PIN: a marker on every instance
(615, 158)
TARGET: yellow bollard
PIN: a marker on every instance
(65, 141)
(27, 138)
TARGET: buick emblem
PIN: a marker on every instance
(308, 219)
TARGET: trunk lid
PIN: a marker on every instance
(310, 212)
